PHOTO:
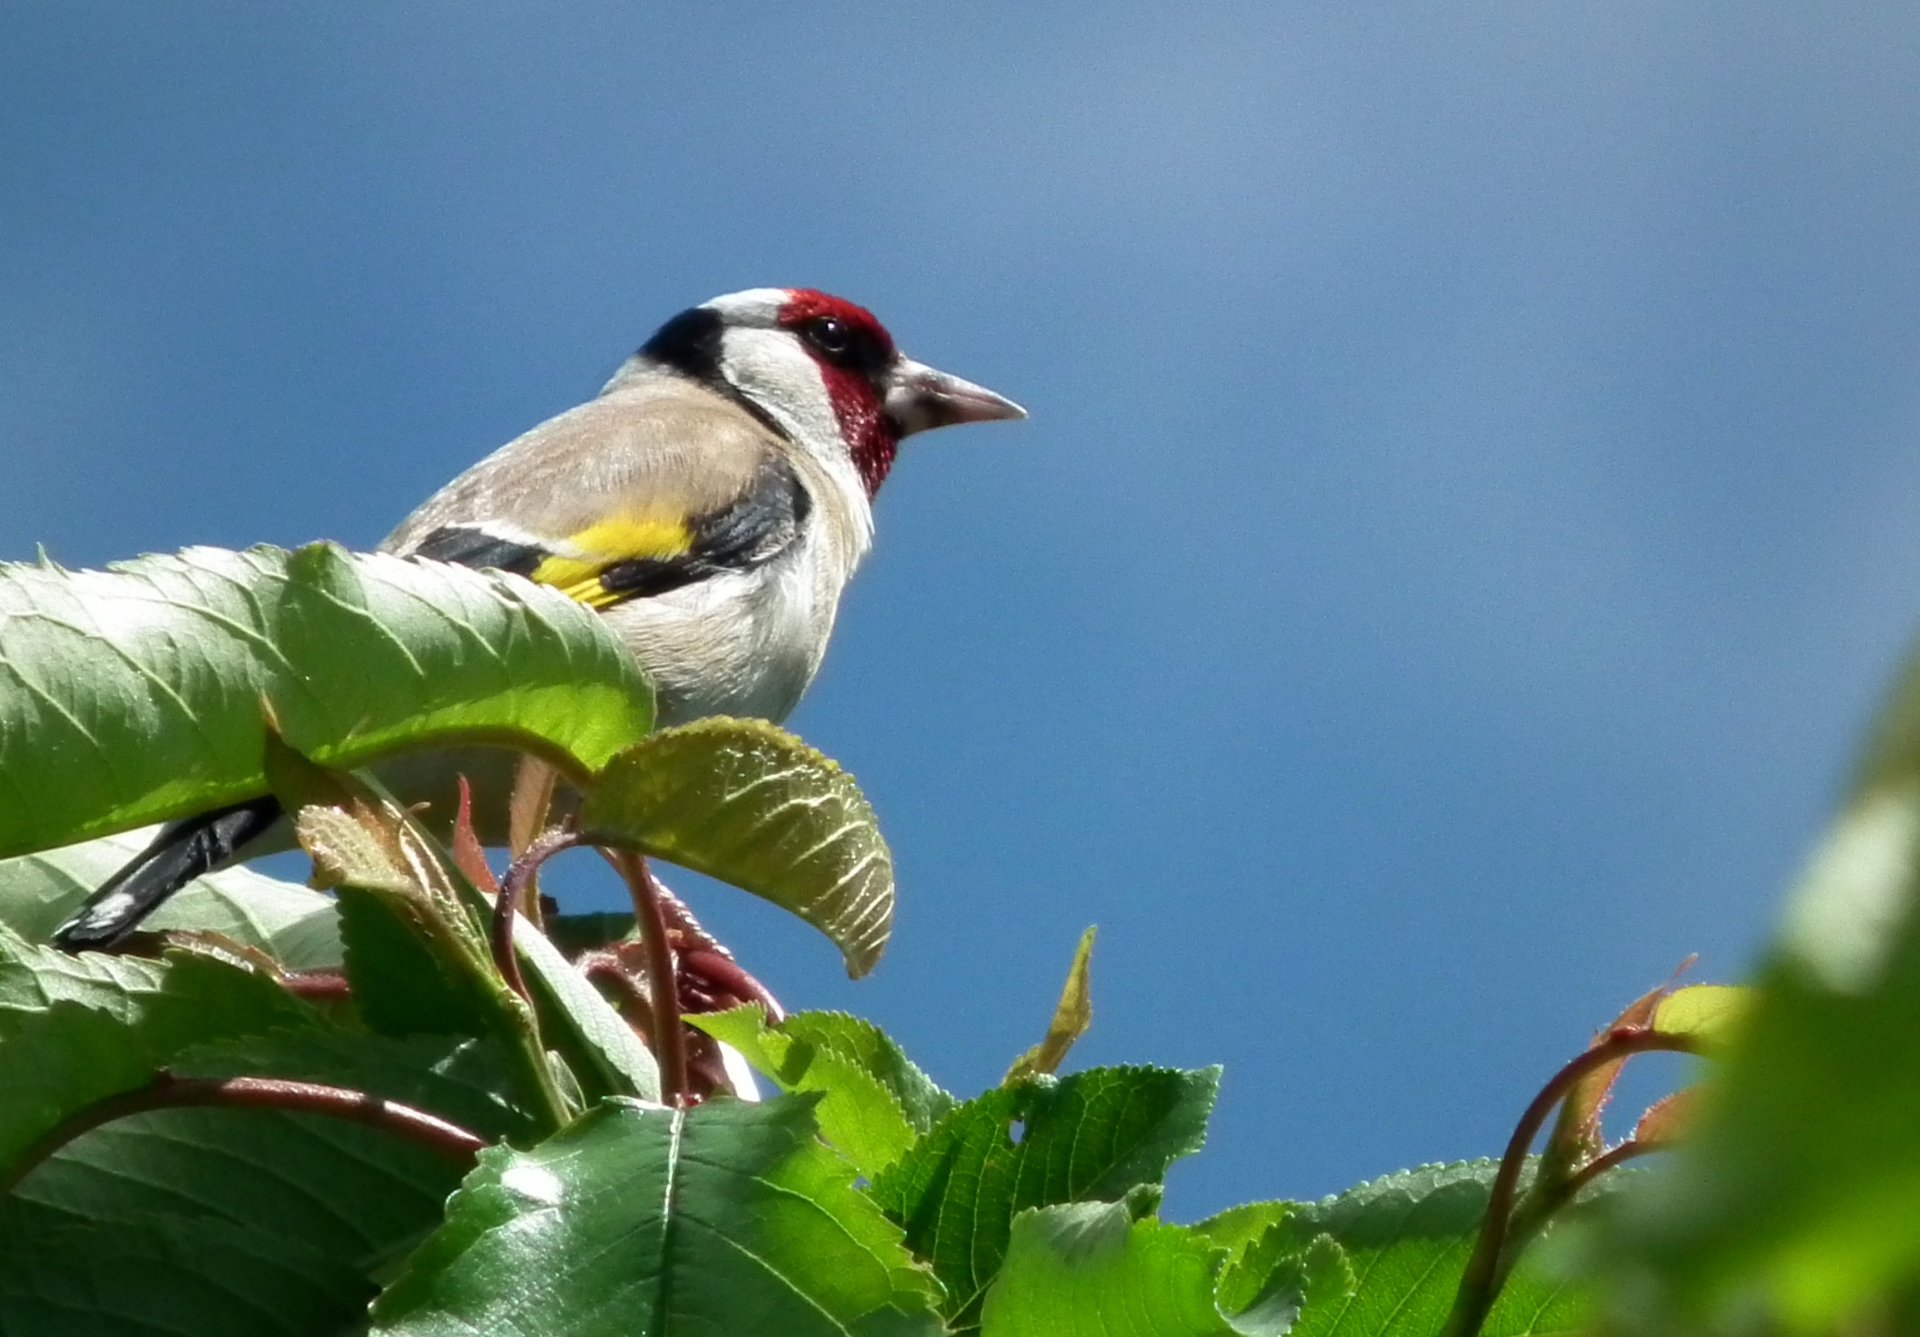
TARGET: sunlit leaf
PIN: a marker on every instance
(1406, 1237)
(859, 1115)
(750, 804)
(136, 694)
(1094, 1135)
(1089, 1268)
(727, 1218)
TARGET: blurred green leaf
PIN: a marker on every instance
(1791, 1202)
(750, 804)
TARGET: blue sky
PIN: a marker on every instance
(1467, 517)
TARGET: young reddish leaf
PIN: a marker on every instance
(1667, 1119)
(468, 855)
(1576, 1136)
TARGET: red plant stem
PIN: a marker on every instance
(316, 986)
(670, 1042)
(1599, 1165)
(634, 1006)
(508, 898)
(1480, 1282)
(169, 1092)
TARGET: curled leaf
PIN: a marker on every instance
(750, 804)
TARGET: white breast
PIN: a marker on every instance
(740, 643)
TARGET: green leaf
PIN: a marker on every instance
(356, 1195)
(93, 1040)
(1098, 1134)
(597, 1043)
(726, 1218)
(1407, 1237)
(135, 694)
(400, 985)
(1316, 1278)
(293, 924)
(750, 804)
(341, 1194)
(1257, 1239)
(859, 1115)
(1089, 1268)
(173, 1278)
(865, 1044)
(468, 1082)
(167, 1004)
(1072, 1016)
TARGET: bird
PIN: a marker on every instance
(711, 502)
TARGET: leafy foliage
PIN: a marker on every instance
(1097, 1135)
(294, 925)
(293, 1110)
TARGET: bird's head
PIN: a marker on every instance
(823, 372)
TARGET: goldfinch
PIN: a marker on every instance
(712, 501)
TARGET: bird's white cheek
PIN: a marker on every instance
(770, 368)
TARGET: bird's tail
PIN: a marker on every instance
(181, 852)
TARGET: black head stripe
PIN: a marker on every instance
(690, 344)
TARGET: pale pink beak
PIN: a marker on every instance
(921, 399)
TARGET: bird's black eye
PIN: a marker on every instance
(830, 335)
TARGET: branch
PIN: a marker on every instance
(1480, 1282)
(511, 894)
(670, 1041)
(605, 966)
(169, 1092)
(316, 986)
(1599, 1165)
